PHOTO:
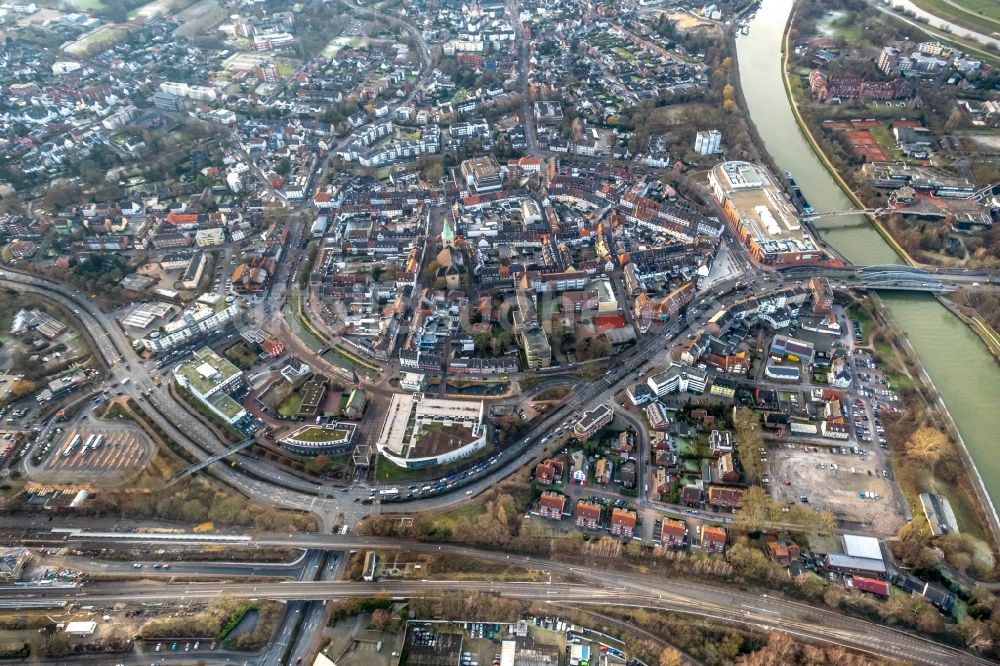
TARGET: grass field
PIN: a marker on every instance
(321, 435)
(387, 471)
(100, 38)
(289, 407)
(85, 5)
(887, 142)
(198, 18)
(979, 15)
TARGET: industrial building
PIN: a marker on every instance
(761, 216)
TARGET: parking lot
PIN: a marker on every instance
(850, 485)
(95, 454)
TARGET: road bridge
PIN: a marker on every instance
(901, 277)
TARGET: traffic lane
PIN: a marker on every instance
(317, 613)
(170, 568)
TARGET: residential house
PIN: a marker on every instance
(579, 474)
(602, 471)
(673, 533)
(588, 515)
(691, 495)
(721, 442)
(727, 498)
(549, 471)
(623, 522)
(713, 539)
(726, 468)
(551, 505)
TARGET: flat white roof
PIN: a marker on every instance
(862, 546)
(394, 427)
(206, 370)
(81, 627)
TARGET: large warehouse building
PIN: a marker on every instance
(761, 216)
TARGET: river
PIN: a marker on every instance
(965, 373)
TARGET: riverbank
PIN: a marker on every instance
(933, 405)
(821, 154)
(980, 326)
(933, 397)
(983, 331)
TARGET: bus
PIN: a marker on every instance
(72, 444)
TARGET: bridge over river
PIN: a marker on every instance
(900, 277)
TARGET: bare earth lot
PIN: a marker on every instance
(837, 490)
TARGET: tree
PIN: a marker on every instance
(21, 388)
(381, 620)
(61, 195)
(755, 514)
(671, 657)
(927, 445)
(749, 562)
(56, 645)
(811, 585)
(749, 440)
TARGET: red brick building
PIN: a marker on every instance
(588, 515)
(623, 522)
(672, 533)
(551, 506)
(713, 539)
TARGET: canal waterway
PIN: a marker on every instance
(964, 372)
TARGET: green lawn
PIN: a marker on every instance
(855, 312)
(387, 471)
(847, 28)
(289, 407)
(321, 435)
(887, 142)
(85, 5)
(241, 356)
(980, 15)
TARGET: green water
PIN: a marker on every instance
(964, 372)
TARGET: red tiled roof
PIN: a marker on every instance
(623, 517)
(181, 218)
(553, 501)
(713, 535)
(609, 322)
